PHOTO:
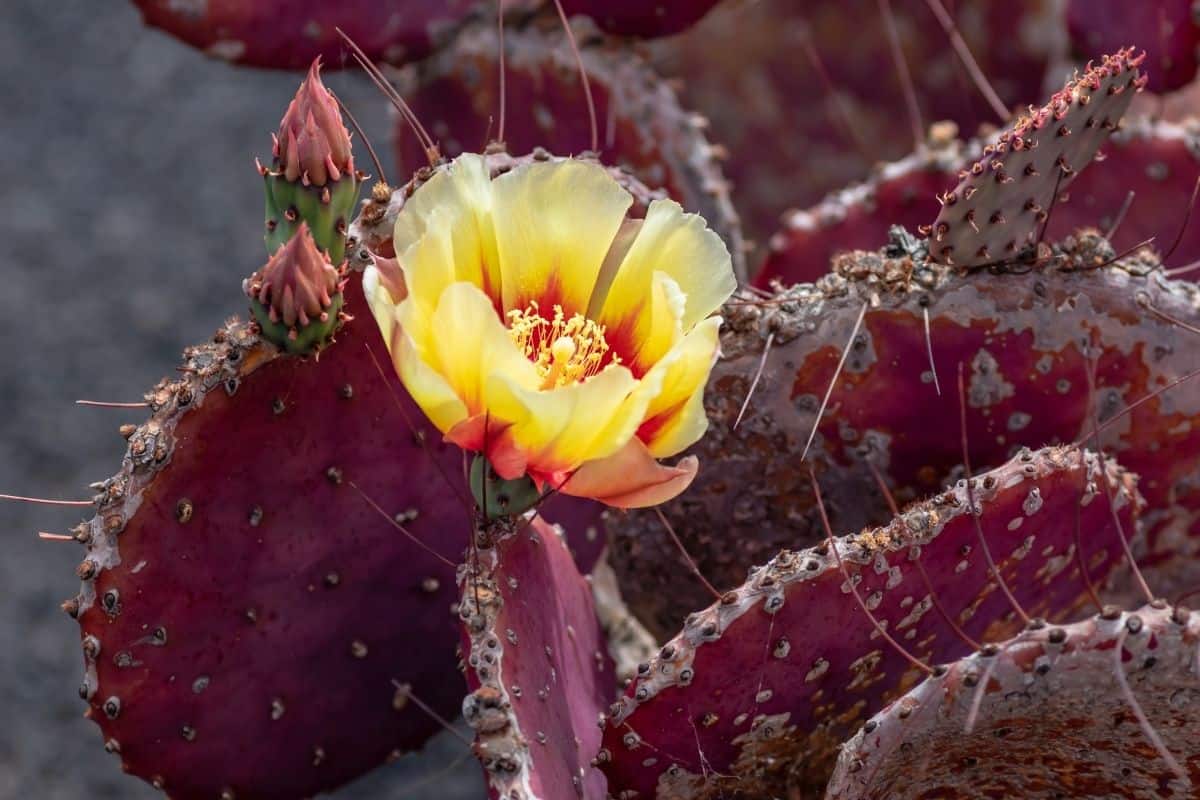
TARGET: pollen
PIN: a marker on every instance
(565, 351)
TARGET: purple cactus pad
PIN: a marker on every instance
(1046, 713)
(757, 689)
(537, 664)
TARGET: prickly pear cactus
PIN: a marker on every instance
(317, 525)
(289, 457)
(859, 217)
(807, 96)
(276, 654)
(1005, 198)
(757, 689)
(1026, 341)
(537, 666)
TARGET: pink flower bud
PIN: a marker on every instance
(297, 284)
(312, 144)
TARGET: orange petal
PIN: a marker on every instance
(631, 478)
(507, 459)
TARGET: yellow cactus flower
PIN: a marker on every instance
(539, 325)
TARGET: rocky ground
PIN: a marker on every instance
(129, 211)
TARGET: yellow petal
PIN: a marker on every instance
(428, 389)
(465, 342)
(613, 259)
(680, 428)
(658, 327)
(428, 263)
(684, 248)
(676, 418)
(383, 286)
(454, 204)
(631, 478)
(554, 223)
(558, 429)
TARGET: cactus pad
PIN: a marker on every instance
(1167, 30)
(641, 124)
(1159, 162)
(791, 138)
(858, 217)
(1019, 339)
(536, 663)
(757, 689)
(1004, 199)
(1044, 714)
(236, 575)
(289, 34)
(640, 17)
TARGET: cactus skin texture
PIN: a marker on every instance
(642, 126)
(1053, 701)
(1018, 337)
(745, 67)
(289, 34)
(1004, 200)
(639, 17)
(536, 663)
(757, 689)
(1159, 162)
(1168, 30)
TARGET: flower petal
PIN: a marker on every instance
(684, 248)
(465, 342)
(554, 223)
(631, 478)
(558, 429)
(657, 328)
(428, 263)
(383, 285)
(455, 204)
(428, 389)
(676, 418)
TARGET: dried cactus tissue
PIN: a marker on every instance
(601, 400)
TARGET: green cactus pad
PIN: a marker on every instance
(290, 203)
(502, 498)
(308, 339)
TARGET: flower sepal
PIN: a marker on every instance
(496, 497)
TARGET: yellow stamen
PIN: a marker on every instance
(565, 351)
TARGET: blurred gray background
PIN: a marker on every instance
(129, 212)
